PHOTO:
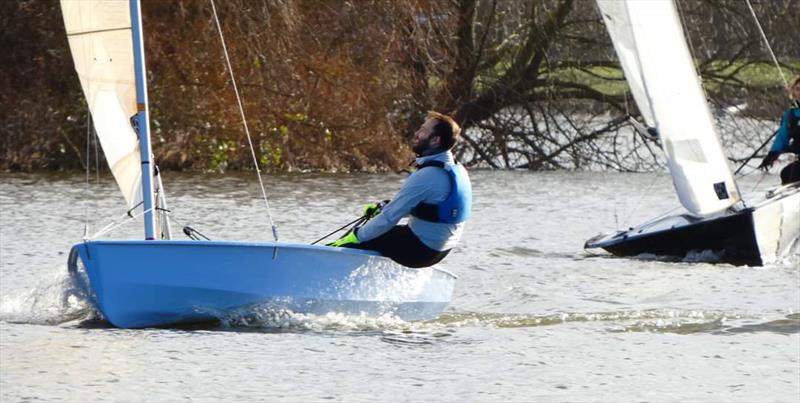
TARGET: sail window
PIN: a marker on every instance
(686, 150)
(721, 190)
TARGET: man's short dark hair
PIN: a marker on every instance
(446, 128)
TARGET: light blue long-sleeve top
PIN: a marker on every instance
(781, 143)
(429, 185)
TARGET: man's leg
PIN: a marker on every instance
(791, 173)
(402, 246)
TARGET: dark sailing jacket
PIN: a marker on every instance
(788, 138)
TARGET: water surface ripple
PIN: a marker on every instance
(534, 317)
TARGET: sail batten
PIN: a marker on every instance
(98, 31)
(651, 46)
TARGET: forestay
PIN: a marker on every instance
(649, 41)
(99, 34)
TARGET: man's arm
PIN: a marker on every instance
(416, 189)
(781, 143)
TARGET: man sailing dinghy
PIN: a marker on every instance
(650, 44)
(157, 281)
(436, 198)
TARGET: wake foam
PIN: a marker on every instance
(279, 318)
(703, 256)
(56, 299)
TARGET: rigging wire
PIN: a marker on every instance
(91, 143)
(126, 218)
(88, 172)
(244, 121)
(766, 41)
(638, 203)
(755, 186)
(692, 52)
(774, 60)
(771, 53)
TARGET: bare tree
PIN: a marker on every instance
(536, 84)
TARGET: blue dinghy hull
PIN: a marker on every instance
(137, 284)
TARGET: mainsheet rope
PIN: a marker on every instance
(244, 121)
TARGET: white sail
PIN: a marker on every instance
(649, 41)
(99, 34)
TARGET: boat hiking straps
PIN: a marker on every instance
(244, 123)
(194, 234)
(756, 151)
(358, 221)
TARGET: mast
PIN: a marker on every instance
(143, 119)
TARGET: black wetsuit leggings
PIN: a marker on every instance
(790, 173)
(402, 246)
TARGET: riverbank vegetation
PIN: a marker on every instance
(341, 85)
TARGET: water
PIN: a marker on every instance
(533, 317)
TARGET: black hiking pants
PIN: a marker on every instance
(791, 173)
(402, 246)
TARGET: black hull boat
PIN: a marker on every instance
(755, 236)
(718, 225)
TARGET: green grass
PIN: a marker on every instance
(760, 74)
(609, 80)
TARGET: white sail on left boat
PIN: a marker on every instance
(158, 281)
(649, 41)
